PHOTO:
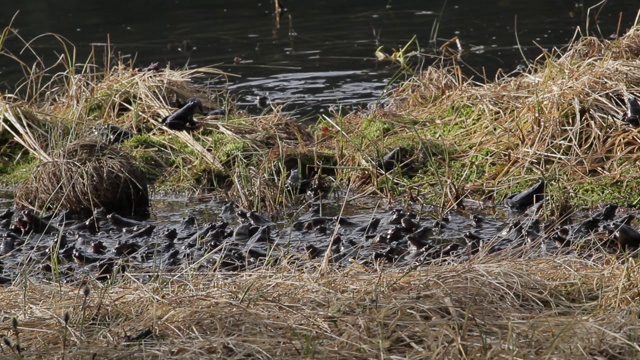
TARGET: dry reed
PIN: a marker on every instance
(491, 307)
(85, 176)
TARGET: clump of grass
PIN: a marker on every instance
(84, 176)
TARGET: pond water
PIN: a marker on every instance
(319, 53)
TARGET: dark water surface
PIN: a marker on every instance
(320, 52)
(205, 237)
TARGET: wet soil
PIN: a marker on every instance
(183, 235)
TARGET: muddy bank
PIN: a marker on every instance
(185, 235)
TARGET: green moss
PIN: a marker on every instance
(375, 128)
(603, 190)
(13, 173)
(224, 149)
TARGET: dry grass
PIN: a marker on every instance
(560, 120)
(85, 176)
(560, 307)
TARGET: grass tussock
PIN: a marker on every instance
(487, 308)
(561, 120)
(85, 176)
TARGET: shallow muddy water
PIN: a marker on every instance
(319, 54)
(201, 234)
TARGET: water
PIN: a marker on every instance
(319, 53)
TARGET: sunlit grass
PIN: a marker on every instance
(560, 307)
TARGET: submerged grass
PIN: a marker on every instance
(490, 307)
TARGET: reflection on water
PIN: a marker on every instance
(319, 52)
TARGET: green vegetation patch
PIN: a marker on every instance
(559, 121)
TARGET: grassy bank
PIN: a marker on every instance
(559, 120)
